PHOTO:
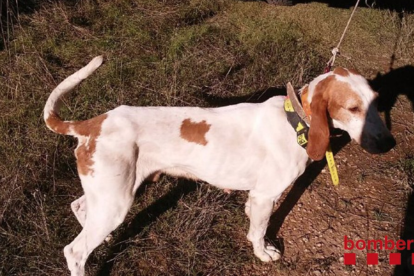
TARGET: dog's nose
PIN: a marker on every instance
(385, 143)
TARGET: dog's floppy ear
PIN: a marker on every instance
(319, 127)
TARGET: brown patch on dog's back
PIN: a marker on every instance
(341, 72)
(194, 132)
(90, 127)
(56, 124)
(353, 71)
(89, 131)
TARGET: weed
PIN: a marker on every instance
(408, 166)
(379, 215)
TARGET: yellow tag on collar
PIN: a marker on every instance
(289, 106)
(332, 166)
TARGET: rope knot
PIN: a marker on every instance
(335, 51)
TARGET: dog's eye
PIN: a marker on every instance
(354, 109)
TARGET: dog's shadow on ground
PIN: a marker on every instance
(389, 86)
(396, 5)
(297, 190)
(397, 82)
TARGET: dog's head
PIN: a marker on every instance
(344, 99)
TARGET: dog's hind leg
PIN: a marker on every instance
(109, 193)
(103, 216)
(247, 207)
(107, 205)
(79, 209)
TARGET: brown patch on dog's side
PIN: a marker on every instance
(194, 132)
(89, 131)
(341, 72)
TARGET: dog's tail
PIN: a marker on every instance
(51, 110)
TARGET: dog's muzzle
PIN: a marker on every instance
(379, 144)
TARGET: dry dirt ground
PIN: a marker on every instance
(205, 53)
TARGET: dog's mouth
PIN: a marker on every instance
(379, 144)
(376, 138)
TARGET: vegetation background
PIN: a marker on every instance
(204, 53)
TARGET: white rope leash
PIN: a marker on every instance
(329, 154)
(335, 50)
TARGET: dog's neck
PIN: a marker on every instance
(305, 102)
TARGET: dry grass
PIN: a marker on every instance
(170, 53)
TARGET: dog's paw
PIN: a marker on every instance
(269, 253)
(273, 252)
(73, 260)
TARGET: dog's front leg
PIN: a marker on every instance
(260, 211)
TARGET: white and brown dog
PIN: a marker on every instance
(248, 147)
